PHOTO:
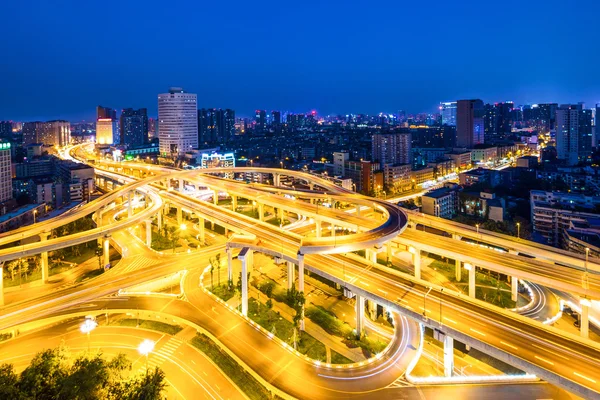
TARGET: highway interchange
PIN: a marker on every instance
(543, 349)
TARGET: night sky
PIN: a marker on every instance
(59, 59)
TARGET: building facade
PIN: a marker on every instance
(178, 122)
(134, 127)
(391, 148)
(469, 123)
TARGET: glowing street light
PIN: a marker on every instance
(145, 348)
(519, 230)
(87, 327)
(34, 213)
(183, 227)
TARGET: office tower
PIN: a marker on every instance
(5, 129)
(106, 118)
(215, 125)
(227, 126)
(134, 127)
(469, 123)
(260, 118)
(178, 122)
(541, 116)
(573, 133)
(391, 148)
(276, 118)
(596, 136)
(498, 121)
(5, 173)
(51, 133)
(448, 111)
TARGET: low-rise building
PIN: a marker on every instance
(397, 177)
(462, 159)
(441, 202)
(421, 176)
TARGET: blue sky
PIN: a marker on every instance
(60, 59)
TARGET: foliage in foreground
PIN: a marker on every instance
(51, 375)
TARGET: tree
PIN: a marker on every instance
(218, 259)
(212, 269)
(269, 304)
(8, 382)
(12, 267)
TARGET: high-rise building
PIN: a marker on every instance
(134, 127)
(391, 148)
(5, 129)
(106, 118)
(498, 121)
(178, 122)
(51, 133)
(448, 111)
(276, 118)
(573, 133)
(106, 112)
(5, 173)
(596, 135)
(469, 123)
(260, 118)
(152, 128)
(215, 125)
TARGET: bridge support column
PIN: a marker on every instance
(291, 268)
(358, 210)
(301, 284)
(159, 220)
(456, 237)
(471, 269)
(261, 212)
(106, 250)
(2, 284)
(332, 230)
(388, 249)
(416, 260)
(448, 356)
(181, 185)
(584, 323)
(229, 265)
(372, 307)
(514, 286)
(179, 215)
(360, 315)
(201, 229)
(246, 257)
(276, 179)
(44, 259)
(149, 232)
(458, 270)
(216, 197)
(234, 203)
(280, 216)
(130, 203)
(318, 228)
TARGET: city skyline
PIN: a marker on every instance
(285, 57)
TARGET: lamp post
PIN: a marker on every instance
(87, 327)
(34, 213)
(145, 348)
(519, 231)
(585, 283)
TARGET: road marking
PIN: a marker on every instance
(193, 362)
(476, 331)
(364, 283)
(509, 345)
(403, 300)
(584, 377)
(382, 291)
(548, 351)
(544, 360)
(451, 320)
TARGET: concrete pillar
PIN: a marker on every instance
(301, 283)
(514, 286)
(234, 202)
(149, 232)
(416, 260)
(2, 284)
(276, 179)
(372, 308)
(388, 248)
(358, 210)
(179, 215)
(246, 257)
(181, 185)
(360, 315)
(159, 220)
(201, 229)
(332, 230)
(448, 356)
(44, 259)
(106, 250)
(471, 269)
(458, 268)
(215, 197)
(280, 216)
(229, 265)
(291, 268)
(318, 228)
(130, 203)
(261, 212)
(584, 320)
(456, 237)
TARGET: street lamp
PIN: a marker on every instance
(145, 348)
(34, 213)
(519, 231)
(477, 226)
(87, 327)
(585, 283)
(183, 227)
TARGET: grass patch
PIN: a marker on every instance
(249, 213)
(5, 336)
(337, 358)
(246, 382)
(223, 292)
(277, 221)
(284, 330)
(152, 325)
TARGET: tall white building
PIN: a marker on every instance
(5, 173)
(178, 122)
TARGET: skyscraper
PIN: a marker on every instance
(51, 133)
(391, 148)
(5, 173)
(573, 133)
(215, 125)
(276, 118)
(5, 129)
(260, 118)
(106, 119)
(469, 123)
(134, 127)
(448, 111)
(498, 121)
(178, 122)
